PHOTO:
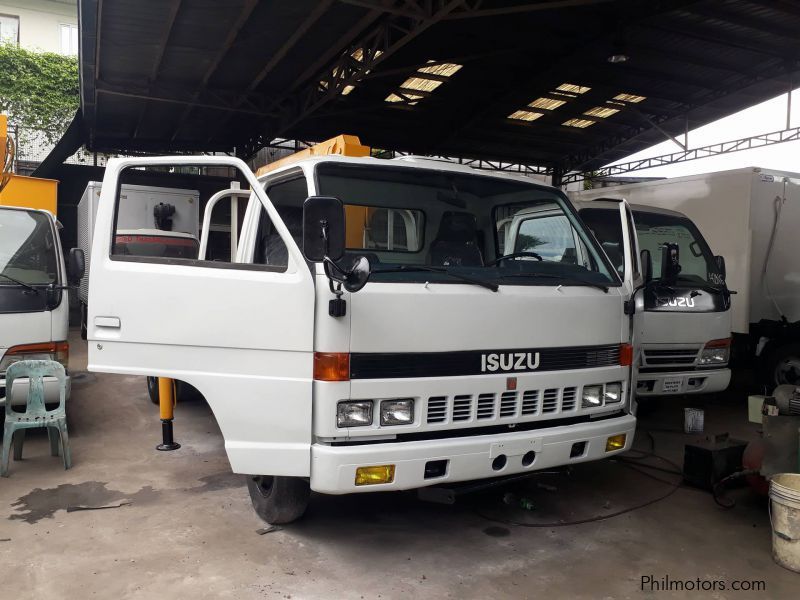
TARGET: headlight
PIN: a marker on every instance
(592, 396)
(715, 353)
(397, 412)
(354, 413)
(613, 393)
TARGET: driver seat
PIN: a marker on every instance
(456, 243)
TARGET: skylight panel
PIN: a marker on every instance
(632, 98)
(525, 115)
(547, 103)
(579, 123)
(573, 88)
(601, 111)
(426, 79)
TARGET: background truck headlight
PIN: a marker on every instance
(354, 413)
(397, 412)
(592, 396)
(715, 352)
(613, 393)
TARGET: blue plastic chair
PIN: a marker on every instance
(35, 415)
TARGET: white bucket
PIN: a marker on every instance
(784, 505)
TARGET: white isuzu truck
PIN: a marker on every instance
(750, 216)
(33, 298)
(685, 344)
(341, 353)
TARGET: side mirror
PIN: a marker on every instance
(76, 266)
(647, 265)
(323, 228)
(721, 266)
(670, 262)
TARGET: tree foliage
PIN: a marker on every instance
(38, 90)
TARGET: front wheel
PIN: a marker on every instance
(782, 366)
(277, 499)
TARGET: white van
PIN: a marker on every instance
(340, 354)
(33, 294)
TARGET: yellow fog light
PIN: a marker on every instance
(616, 442)
(373, 475)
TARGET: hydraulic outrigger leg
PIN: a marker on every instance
(166, 402)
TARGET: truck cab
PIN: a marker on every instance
(373, 332)
(33, 298)
(685, 343)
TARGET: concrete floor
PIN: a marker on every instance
(188, 530)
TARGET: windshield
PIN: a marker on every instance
(27, 248)
(697, 262)
(418, 225)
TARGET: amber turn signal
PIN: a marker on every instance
(331, 366)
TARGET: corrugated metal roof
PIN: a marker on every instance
(166, 75)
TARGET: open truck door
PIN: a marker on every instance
(611, 220)
(238, 330)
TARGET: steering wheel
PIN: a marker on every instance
(514, 255)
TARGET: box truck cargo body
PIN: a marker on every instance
(751, 217)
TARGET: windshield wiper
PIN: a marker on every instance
(22, 283)
(412, 268)
(567, 279)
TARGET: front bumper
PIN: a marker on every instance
(20, 396)
(681, 382)
(469, 458)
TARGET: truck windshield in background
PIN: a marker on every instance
(28, 257)
(27, 248)
(653, 230)
(409, 221)
(697, 262)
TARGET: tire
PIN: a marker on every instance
(278, 500)
(183, 391)
(781, 366)
(152, 389)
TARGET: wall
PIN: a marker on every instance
(40, 21)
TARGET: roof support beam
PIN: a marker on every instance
(761, 73)
(473, 13)
(170, 22)
(222, 100)
(748, 143)
(247, 9)
(391, 34)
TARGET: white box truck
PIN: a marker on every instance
(340, 354)
(749, 216)
(686, 326)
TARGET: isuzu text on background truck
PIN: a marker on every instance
(685, 345)
(751, 217)
(370, 334)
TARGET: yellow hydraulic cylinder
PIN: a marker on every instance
(166, 404)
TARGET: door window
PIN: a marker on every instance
(287, 195)
(159, 211)
(607, 228)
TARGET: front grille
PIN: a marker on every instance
(510, 404)
(670, 357)
(485, 406)
(437, 409)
